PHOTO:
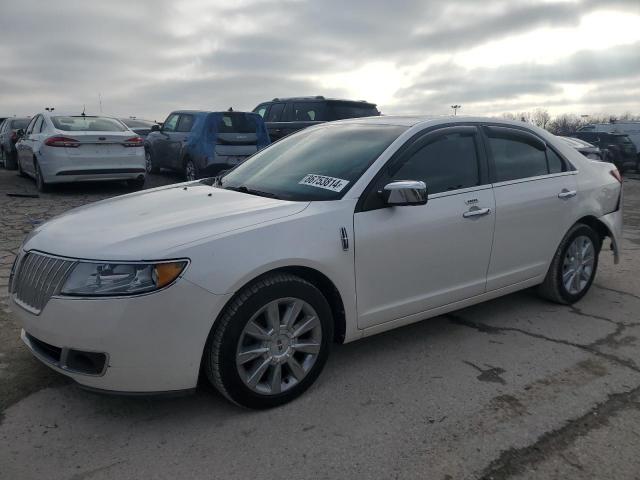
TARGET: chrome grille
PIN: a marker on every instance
(37, 278)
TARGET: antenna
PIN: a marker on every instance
(83, 109)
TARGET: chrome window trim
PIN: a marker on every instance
(534, 179)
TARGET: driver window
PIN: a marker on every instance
(449, 162)
(170, 123)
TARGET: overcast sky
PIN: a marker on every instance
(146, 58)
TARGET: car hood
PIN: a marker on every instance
(151, 224)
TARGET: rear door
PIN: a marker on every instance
(236, 137)
(536, 198)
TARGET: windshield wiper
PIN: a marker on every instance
(251, 191)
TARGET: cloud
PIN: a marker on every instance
(148, 58)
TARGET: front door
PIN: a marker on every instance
(412, 259)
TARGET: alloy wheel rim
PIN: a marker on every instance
(149, 165)
(191, 171)
(577, 268)
(278, 346)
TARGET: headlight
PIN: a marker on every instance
(104, 279)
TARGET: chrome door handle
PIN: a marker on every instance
(564, 194)
(476, 212)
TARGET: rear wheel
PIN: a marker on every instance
(190, 170)
(42, 185)
(573, 267)
(271, 342)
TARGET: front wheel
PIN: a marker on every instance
(573, 267)
(271, 342)
(149, 165)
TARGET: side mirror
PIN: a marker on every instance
(405, 192)
(155, 128)
(20, 133)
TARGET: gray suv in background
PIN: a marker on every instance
(287, 115)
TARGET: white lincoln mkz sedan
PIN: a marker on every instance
(337, 232)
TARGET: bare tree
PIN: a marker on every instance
(541, 117)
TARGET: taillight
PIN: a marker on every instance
(62, 142)
(133, 142)
(14, 137)
(616, 174)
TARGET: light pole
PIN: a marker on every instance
(455, 109)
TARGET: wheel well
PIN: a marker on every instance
(597, 226)
(326, 287)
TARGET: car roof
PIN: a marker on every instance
(576, 142)
(431, 120)
(318, 98)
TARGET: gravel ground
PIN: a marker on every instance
(513, 388)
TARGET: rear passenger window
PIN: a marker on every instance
(185, 123)
(515, 159)
(275, 112)
(306, 112)
(448, 163)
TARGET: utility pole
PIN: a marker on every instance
(455, 109)
(100, 101)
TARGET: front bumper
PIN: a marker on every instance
(151, 343)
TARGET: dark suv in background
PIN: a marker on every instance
(620, 150)
(287, 115)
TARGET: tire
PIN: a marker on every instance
(136, 183)
(191, 172)
(226, 364)
(149, 165)
(554, 287)
(40, 182)
(20, 171)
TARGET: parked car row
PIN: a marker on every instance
(617, 147)
(55, 148)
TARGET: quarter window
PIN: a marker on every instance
(514, 159)
(450, 162)
(556, 163)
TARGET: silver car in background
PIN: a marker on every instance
(58, 148)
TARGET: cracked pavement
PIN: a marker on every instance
(512, 388)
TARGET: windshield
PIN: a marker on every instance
(20, 123)
(88, 124)
(317, 164)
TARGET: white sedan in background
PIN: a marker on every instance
(334, 233)
(58, 148)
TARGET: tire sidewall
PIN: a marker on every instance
(231, 380)
(577, 231)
